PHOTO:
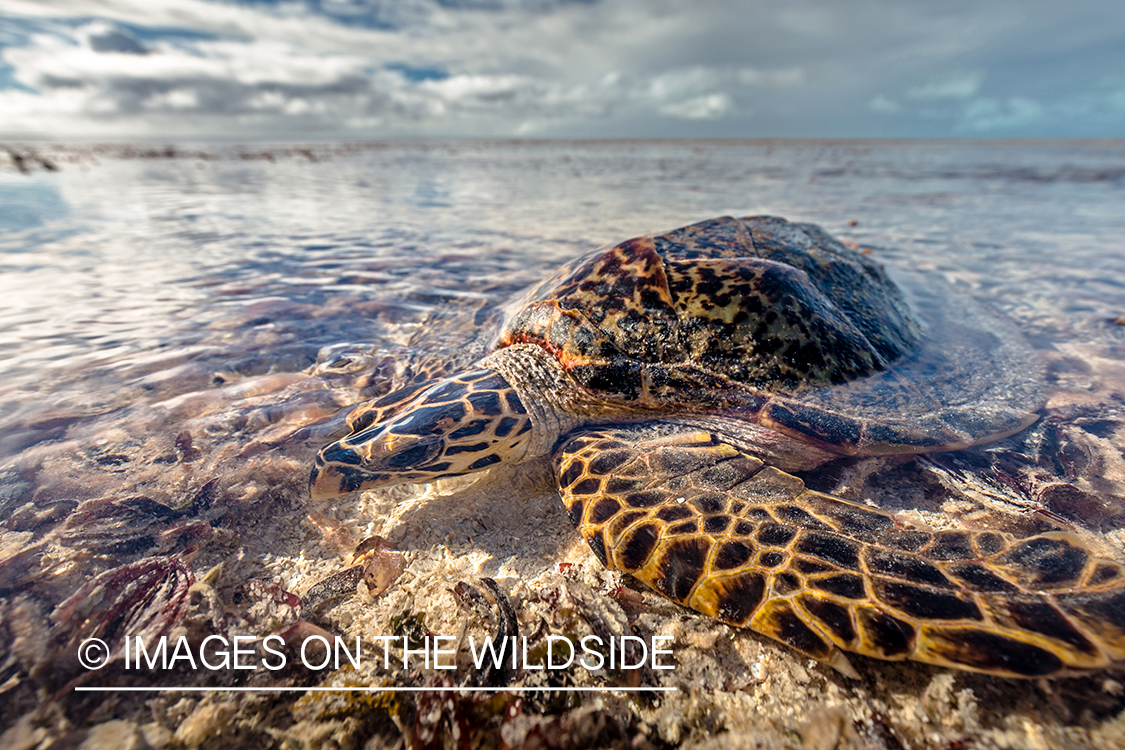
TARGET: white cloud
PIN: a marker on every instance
(954, 86)
(90, 81)
(994, 114)
(884, 105)
(707, 107)
(366, 68)
(674, 84)
(785, 78)
(204, 16)
(315, 75)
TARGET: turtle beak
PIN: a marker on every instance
(336, 472)
(372, 458)
(327, 482)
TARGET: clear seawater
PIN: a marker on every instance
(110, 260)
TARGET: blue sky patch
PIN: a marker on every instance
(412, 73)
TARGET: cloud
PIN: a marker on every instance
(87, 82)
(372, 68)
(884, 104)
(104, 38)
(84, 85)
(707, 107)
(954, 86)
(784, 78)
(1082, 114)
(993, 114)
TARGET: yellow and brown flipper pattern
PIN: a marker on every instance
(716, 530)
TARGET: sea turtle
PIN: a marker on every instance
(676, 380)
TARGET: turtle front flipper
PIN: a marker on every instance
(713, 528)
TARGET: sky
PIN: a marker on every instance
(218, 70)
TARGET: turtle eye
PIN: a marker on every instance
(423, 450)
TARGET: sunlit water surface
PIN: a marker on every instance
(114, 261)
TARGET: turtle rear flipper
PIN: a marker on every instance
(715, 529)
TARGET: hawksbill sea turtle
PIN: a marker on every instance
(677, 380)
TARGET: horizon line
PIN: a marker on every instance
(7, 142)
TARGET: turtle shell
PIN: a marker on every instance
(778, 323)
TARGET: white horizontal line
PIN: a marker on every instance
(99, 689)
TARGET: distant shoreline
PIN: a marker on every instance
(27, 156)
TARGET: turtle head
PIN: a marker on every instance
(455, 426)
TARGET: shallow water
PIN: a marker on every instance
(141, 293)
(123, 258)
